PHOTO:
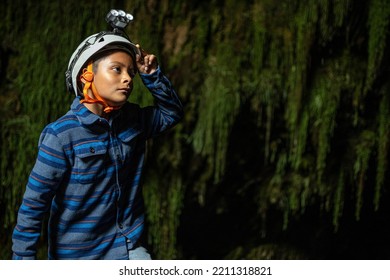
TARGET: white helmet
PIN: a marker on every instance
(97, 43)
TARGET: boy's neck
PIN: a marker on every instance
(97, 109)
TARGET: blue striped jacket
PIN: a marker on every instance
(87, 174)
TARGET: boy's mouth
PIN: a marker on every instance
(125, 90)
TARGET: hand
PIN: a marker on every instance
(146, 63)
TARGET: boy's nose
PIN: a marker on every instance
(126, 78)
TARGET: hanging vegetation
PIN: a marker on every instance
(287, 109)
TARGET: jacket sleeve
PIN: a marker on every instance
(168, 110)
(42, 184)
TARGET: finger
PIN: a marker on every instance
(152, 59)
(138, 58)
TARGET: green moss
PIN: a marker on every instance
(378, 24)
(306, 77)
(364, 148)
(383, 144)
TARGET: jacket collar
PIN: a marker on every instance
(127, 116)
(86, 117)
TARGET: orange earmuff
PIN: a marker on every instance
(86, 76)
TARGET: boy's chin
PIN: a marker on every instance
(118, 104)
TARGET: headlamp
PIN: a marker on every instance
(118, 19)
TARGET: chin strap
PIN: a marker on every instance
(87, 78)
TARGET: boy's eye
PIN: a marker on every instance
(118, 70)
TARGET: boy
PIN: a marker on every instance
(90, 160)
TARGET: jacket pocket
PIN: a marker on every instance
(131, 143)
(90, 162)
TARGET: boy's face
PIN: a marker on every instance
(113, 78)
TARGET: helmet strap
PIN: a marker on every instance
(87, 78)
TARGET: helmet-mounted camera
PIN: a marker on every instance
(118, 19)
